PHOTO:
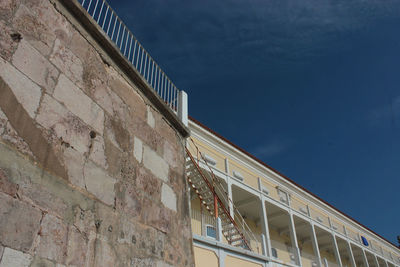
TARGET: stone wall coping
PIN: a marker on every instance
(112, 51)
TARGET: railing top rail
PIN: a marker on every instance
(119, 34)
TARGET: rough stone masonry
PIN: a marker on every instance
(91, 172)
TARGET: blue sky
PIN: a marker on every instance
(310, 87)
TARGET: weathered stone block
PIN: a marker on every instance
(30, 62)
(99, 183)
(53, 239)
(14, 232)
(27, 92)
(13, 138)
(79, 103)
(7, 44)
(1, 252)
(132, 204)
(7, 8)
(77, 248)
(148, 184)
(150, 118)
(105, 255)
(34, 31)
(74, 161)
(168, 197)
(97, 152)
(132, 99)
(157, 216)
(163, 264)
(156, 164)
(40, 262)
(138, 149)
(67, 62)
(6, 185)
(52, 115)
(15, 258)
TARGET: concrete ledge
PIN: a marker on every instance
(213, 243)
(102, 40)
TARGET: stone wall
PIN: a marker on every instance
(91, 173)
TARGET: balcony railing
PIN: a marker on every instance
(129, 46)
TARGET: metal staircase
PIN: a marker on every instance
(214, 198)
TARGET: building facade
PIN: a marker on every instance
(97, 167)
(278, 222)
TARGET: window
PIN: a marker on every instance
(211, 231)
(209, 159)
(274, 253)
(238, 175)
(283, 196)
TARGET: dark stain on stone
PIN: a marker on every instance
(92, 134)
(25, 126)
(97, 224)
(121, 134)
(16, 37)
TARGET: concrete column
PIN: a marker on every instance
(230, 204)
(314, 242)
(219, 230)
(364, 258)
(264, 245)
(221, 257)
(336, 250)
(293, 238)
(350, 251)
(183, 107)
(265, 228)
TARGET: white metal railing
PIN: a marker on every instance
(129, 46)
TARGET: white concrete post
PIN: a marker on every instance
(230, 204)
(219, 230)
(183, 107)
(227, 166)
(265, 228)
(326, 262)
(336, 250)
(352, 260)
(263, 245)
(293, 238)
(314, 242)
(364, 258)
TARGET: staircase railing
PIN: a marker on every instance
(223, 197)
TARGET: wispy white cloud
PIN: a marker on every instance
(272, 148)
(387, 114)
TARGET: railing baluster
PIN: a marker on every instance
(115, 24)
(148, 68)
(105, 17)
(134, 51)
(95, 8)
(101, 10)
(119, 28)
(130, 48)
(126, 42)
(122, 39)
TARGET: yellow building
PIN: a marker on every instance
(265, 219)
